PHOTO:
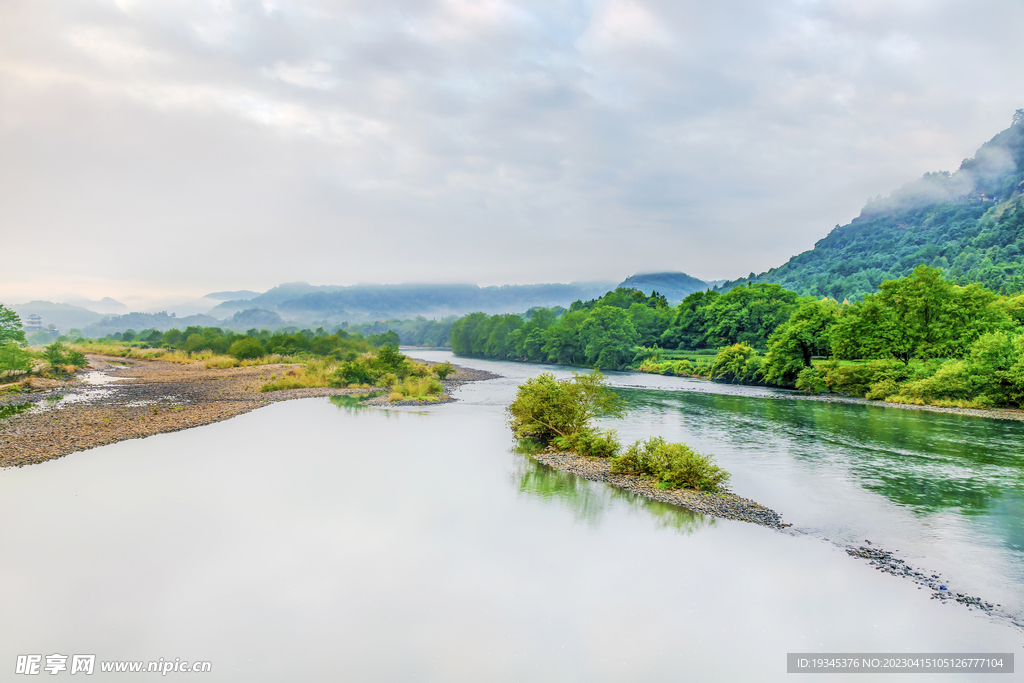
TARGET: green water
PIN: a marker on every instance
(323, 540)
(945, 489)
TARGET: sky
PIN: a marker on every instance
(152, 149)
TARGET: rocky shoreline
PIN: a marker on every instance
(118, 399)
(723, 505)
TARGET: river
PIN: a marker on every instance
(314, 540)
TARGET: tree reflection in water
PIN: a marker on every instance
(588, 500)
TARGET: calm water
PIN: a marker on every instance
(316, 541)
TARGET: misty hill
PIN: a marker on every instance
(240, 295)
(255, 317)
(674, 286)
(301, 303)
(64, 316)
(147, 321)
(969, 223)
(105, 306)
(270, 299)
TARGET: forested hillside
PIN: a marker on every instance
(970, 224)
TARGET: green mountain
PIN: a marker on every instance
(969, 223)
(674, 286)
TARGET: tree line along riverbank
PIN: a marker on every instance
(920, 340)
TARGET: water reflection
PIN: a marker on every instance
(925, 461)
(353, 402)
(589, 501)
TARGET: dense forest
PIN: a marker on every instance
(921, 338)
(968, 223)
(610, 330)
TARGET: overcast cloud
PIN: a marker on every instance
(151, 147)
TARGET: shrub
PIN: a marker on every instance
(76, 358)
(809, 379)
(737, 363)
(591, 443)
(54, 354)
(284, 383)
(675, 464)
(953, 380)
(546, 408)
(354, 372)
(442, 370)
(247, 348)
(417, 388)
(861, 378)
(882, 389)
(14, 360)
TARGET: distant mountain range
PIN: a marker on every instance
(298, 301)
(302, 304)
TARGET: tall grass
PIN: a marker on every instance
(211, 359)
(314, 374)
(673, 464)
(418, 388)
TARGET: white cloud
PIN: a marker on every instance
(243, 143)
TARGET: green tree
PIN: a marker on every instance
(869, 329)
(650, 322)
(736, 363)
(792, 345)
(748, 315)
(442, 370)
(689, 326)
(608, 338)
(10, 327)
(247, 348)
(562, 342)
(546, 408)
(55, 354)
(14, 359)
(920, 304)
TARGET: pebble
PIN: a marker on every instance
(725, 505)
(153, 397)
(884, 561)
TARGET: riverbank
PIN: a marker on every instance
(724, 505)
(118, 399)
(991, 413)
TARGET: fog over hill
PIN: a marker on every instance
(674, 286)
(969, 223)
(304, 305)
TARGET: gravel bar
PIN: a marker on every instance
(724, 505)
(118, 399)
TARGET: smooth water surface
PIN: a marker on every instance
(311, 540)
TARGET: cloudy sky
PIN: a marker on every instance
(153, 148)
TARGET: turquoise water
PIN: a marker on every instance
(315, 541)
